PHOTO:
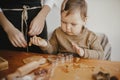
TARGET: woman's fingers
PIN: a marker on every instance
(18, 41)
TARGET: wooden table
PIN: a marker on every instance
(15, 60)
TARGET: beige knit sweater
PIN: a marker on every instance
(60, 42)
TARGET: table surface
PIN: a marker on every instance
(15, 60)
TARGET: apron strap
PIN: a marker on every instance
(24, 18)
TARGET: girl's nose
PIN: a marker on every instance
(68, 27)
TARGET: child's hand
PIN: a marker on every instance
(77, 49)
(37, 41)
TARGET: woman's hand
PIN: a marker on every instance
(38, 41)
(77, 49)
(16, 37)
(37, 24)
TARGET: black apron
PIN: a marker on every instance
(15, 18)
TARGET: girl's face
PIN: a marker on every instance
(72, 23)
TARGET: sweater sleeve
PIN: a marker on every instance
(95, 51)
(52, 46)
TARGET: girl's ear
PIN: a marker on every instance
(85, 20)
(63, 5)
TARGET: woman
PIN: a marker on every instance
(21, 19)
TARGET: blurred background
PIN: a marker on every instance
(103, 17)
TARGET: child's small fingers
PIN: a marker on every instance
(38, 41)
(30, 43)
(73, 43)
(78, 50)
(73, 47)
(34, 37)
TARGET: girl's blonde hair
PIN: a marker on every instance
(72, 5)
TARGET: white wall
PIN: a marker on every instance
(103, 17)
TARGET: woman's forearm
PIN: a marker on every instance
(44, 12)
(4, 22)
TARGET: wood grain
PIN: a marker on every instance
(15, 60)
